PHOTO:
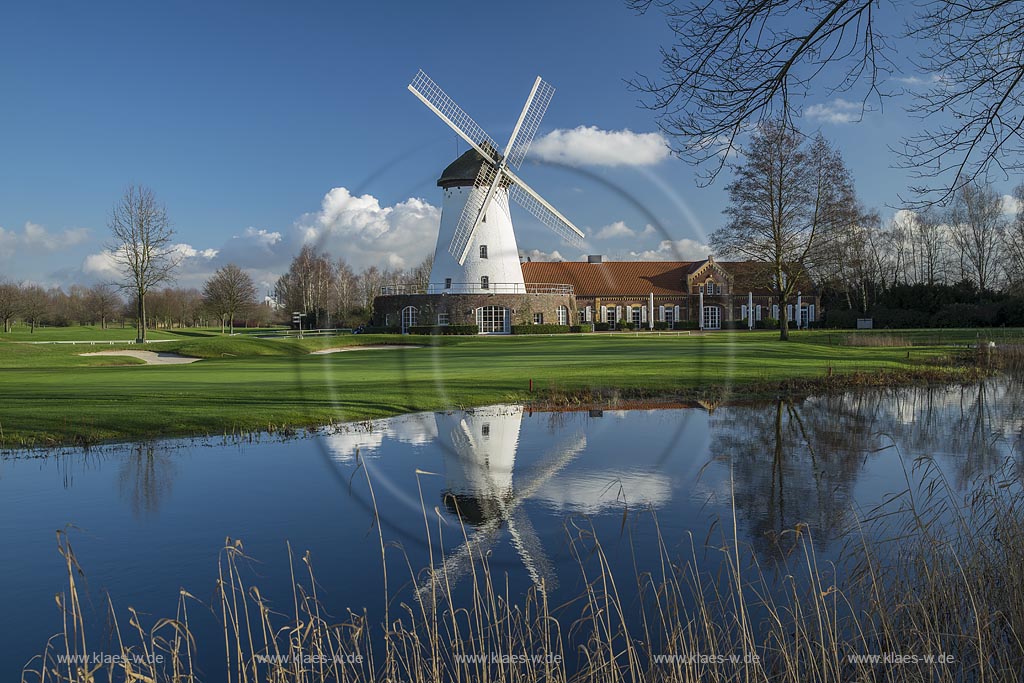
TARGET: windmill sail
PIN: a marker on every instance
(437, 100)
(495, 171)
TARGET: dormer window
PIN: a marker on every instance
(483, 251)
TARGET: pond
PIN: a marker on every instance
(148, 519)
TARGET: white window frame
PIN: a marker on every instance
(410, 318)
(485, 282)
(443, 319)
(538, 318)
(563, 315)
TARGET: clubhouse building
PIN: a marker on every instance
(705, 294)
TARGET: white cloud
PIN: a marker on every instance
(648, 230)
(613, 230)
(364, 233)
(668, 250)
(538, 255)
(35, 237)
(1011, 205)
(837, 111)
(592, 146)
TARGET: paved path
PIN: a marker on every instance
(374, 347)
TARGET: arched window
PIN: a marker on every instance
(410, 318)
(485, 282)
(483, 251)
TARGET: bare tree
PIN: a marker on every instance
(142, 246)
(228, 292)
(1013, 246)
(978, 225)
(732, 65)
(788, 198)
(103, 302)
(10, 304)
(307, 285)
(35, 304)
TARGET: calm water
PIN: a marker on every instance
(149, 519)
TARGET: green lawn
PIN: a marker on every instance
(53, 395)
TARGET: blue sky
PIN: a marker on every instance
(261, 125)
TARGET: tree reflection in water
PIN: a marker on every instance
(145, 478)
(797, 462)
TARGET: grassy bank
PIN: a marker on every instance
(53, 395)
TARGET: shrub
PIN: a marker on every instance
(965, 315)
(601, 327)
(444, 329)
(381, 329)
(540, 329)
(660, 325)
(582, 327)
(767, 324)
(627, 326)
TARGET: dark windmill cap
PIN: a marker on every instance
(463, 171)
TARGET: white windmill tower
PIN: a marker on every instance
(476, 250)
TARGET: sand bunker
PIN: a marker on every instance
(372, 347)
(151, 357)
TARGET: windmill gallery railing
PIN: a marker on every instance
(477, 288)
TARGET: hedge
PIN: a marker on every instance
(380, 329)
(582, 327)
(540, 329)
(444, 329)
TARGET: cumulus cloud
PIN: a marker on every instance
(613, 230)
(837, 111)
(592, 146)
(194, 265)
(35, 237)
(365, 233)
(538, 255)
(1011, 205)
(668, 250)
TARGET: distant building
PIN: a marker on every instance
(620, 291)
(706, 294)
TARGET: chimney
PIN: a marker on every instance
(595, 258)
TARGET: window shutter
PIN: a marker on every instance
(618, 314)
(675, 315)
(661, 314)
(789, 311)
(643, 314)
(775, 311)
(629, 314)
(604, 314)
(589, 315)
(743, 312)
(758, 316)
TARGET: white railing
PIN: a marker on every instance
(477, 288)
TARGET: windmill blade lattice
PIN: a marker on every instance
(462, 123)
(529, 122)
(542, 212)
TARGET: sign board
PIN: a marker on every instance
(865, 323)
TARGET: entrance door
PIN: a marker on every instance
(492, 319)
(712, 318)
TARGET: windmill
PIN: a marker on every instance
(476, 248)
(479, 449)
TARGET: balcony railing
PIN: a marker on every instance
(477, 288)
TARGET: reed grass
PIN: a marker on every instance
(935, 571)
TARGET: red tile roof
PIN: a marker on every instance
(638, 278)
(611, 278)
